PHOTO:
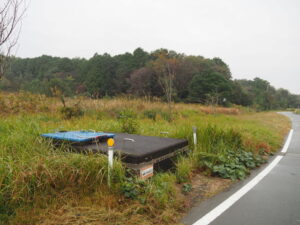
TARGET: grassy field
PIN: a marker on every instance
(43, 185)
(297, 111)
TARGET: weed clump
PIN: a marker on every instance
(160, 188)
(71, 112)
(217, 140)
(164, 188)
(237, 164)
(134, 188)
(150, 114)
(187, 188)
(128, 121)
(184, 167)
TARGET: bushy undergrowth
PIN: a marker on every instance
(71, 112)
(128, 121)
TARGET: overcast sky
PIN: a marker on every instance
(254, 37)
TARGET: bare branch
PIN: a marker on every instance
(11, 13)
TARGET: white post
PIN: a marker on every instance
(110, 164)
(110, 155)
(195, 136)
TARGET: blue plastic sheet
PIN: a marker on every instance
(78, 136)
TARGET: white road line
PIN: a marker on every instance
(288, 140)
(213, 214)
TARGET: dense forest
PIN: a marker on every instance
(162, 73)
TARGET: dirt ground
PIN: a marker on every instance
(204, 187)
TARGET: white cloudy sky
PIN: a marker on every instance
(255, 37)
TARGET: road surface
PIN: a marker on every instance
(274, 200)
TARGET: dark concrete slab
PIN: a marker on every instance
(138, 148)
(273, 201)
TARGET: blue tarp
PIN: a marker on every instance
(78, 136)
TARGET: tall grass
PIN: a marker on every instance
(33, 172)
(30, 166)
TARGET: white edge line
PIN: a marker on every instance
(288, 140)
(217, 211)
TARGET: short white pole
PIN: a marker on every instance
(110, 155)
(110, 164)
(195, 136)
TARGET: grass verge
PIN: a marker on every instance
(43, 185)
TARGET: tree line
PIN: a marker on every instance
(162, 73)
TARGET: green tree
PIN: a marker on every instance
(204, 86)
(166, 66)
(101, 75)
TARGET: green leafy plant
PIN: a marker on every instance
(187, 188)
(130, 189)
(231, 164)
(230, 170)
(128, 121)
(134, 188)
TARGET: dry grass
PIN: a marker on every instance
(53, 187)
(102, 207)
(263, 126)
(142, 104)
(25, 102)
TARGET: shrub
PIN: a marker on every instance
(150, 114)
(128, 121)
(126, 113)
(71, 112)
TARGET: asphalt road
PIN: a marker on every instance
(275, 200)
